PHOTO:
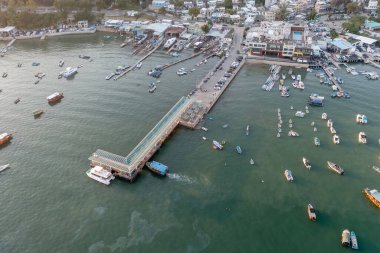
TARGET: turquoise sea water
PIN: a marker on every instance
(212, 201)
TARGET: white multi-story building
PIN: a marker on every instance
(322, 6)
(269, 3)
(372, 6)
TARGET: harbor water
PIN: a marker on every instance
(211, 201)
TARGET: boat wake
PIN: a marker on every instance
(181, 178)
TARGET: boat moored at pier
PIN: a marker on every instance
(354, 241)
(100, 174)
(157, 168)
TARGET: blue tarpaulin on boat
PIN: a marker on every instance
(159, 167)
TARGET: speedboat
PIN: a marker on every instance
(288, 175)
(317, 141)
(324, 115)
(334, 167)
(238, 150)
(300, 114)
(336, 139)
(157, 168)
(100, 174)
(354, 241)
(4, 167)
(204, 129)
(306, 163)
(332, 130)
(346, 238)
(311, 213)
(362, 138)
(217, 145)
(17, 100)
(70, 72)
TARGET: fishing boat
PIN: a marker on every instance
(336, 139)
(247, 130)
(293, 133)
(69, 72)
(204, 129)
(377, 169)
(157, 168)
(110, 76)
(4, 167)
(311, 213)
(329, 123)
(332, 130)
(306, 163)
(362, 138)
(101, 175)
(317, 141)
(252, 162)
(55, 97)
(61, 63)
(38, 113)
(324, 115)
(354, 241)
(334, 167)
(217, 145)
(238, 150)
(288, 175)
(300, 114)
(17, 100)
(373, 195)
(4, 138)
(346, 238)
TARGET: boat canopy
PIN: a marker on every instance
(159, 166)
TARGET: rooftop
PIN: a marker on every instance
(341, 44)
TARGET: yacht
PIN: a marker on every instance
(373, 195)
(317, 141)
(4, 167)
(306, 163)
(238, 150)
(346, 238)
(362, 138)
(311, 213)
(217, 145)
(100, 174)
(288, 175)
(4, 138)
(334, 167)
(157, 168)
(300, 114)
(324, 115)
(55, 97)
(336, 139)
(354, 241)
(170, 42)
(70, 72)
(332, 130)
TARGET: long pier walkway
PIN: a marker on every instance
(332, 78)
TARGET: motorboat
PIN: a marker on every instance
(291, 107)
(334, 167)
(204, 129)
(290, 121)
(252, 162)
(375, 168)
(332, 130)
(290, 125)
(298, 77)
(5, 74)
(181, 72)
(293, 133)
(152, 88)
(17, 101)
(361, 118)
(312, 123)
(69, 72)
(278, 135)
(38, 113)
(238, 150)
(293, 77)
(362, 138)
(100, 174)
(354, 241)
(217, 145)
(247, 130)
(311, 213)
(346, 238)
(4, 167)
(317, 142)
(4, 138)
(329, 123)
(283, 75)
(170, 42)
(288, 175)
(61, 63)
(35, 64)
(110, 76)
(86, 57)
(336, 139)
(306, 163)
(55, 97)
(157, 168)
(373, 195)
(225, 126)
(284, 94)
(300, 114)
(315, 129)
(139, 65)
(324, 115)
(301, 85)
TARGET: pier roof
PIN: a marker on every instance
(341, 44)
(109, 159)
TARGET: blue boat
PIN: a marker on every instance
(157, 168)
(238, 149)
(315, 102)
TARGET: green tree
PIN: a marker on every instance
(353, 26)
(205, 28)
(353, 8)
(282, 13)
(312, 15)
(194, 12)
(333, 34)
(228, 4)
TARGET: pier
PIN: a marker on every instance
(331, 77)
(277, 61)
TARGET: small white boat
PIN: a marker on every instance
(375, 168)
(4, 167)
(278, 135)
(300, 114)
(324, 115)
(139, 65)
(362, 138)
(204, 138)
(247, 130)
(336, 139)
(288, 175)
(251, 162)
(290, 125)
(346, 238)
(312, 123)
(332, 130)
(204, 129)
(306, 163)
(361, 118)
(291, 108)
(217, 145)
(101, 175)
(329, 123)
(290, 121)
(317, 141)
(354, 241)
(293, 133)
(315, 129)
(311, 213)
